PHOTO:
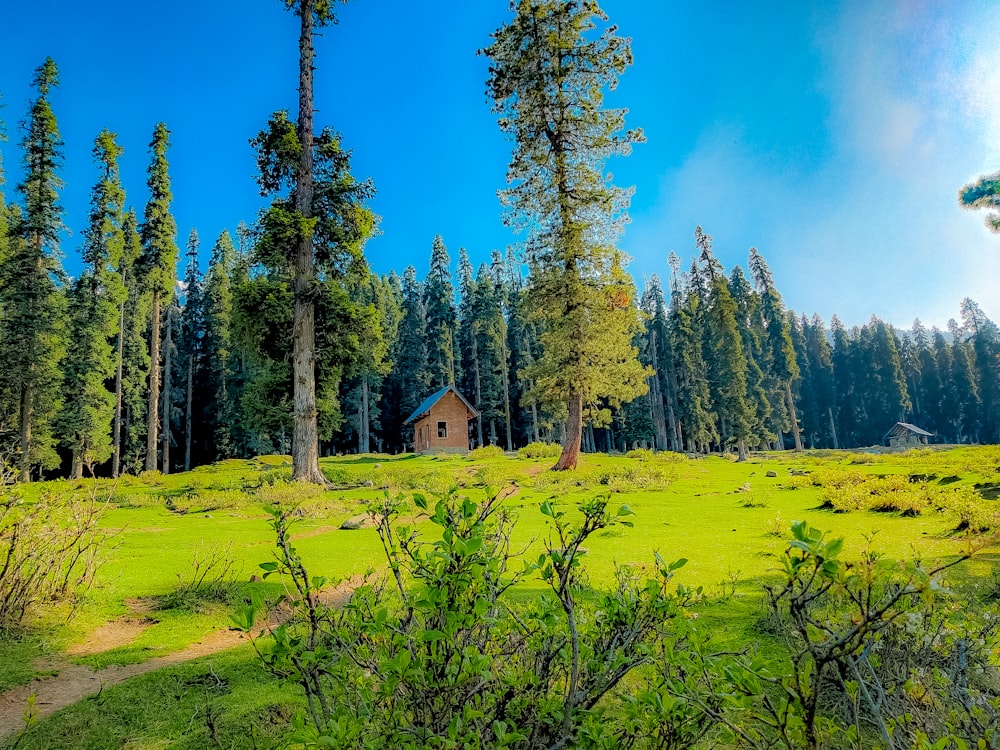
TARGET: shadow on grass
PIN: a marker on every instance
(19, 647)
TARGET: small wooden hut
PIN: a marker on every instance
(441, 422)
(905, 435)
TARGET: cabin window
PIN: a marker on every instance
(442, 429)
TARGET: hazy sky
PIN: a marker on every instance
(832, 136)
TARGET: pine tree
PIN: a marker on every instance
(490, 332)
(655, 354)
(750, 322)
(984, 338)
(134, 352)
(94, 319)
(549, 67)
(191, 346)
(221, 362)
(159, 264)
(781, 363)
(984, 193)
(363, 389)
(169, 412)
(879, 372)
(822, 373)
(525, 350)
(468, 341)
(32, 331)
(309, 238)
(439, 307)
(724, 355)
(409, 380)
(695, 419)
(965, 398)
(309, 232)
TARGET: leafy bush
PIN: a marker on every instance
(485, 452)
(875, 656)
(48, 549)
(440, 655)
(540, 450)
(663, 457)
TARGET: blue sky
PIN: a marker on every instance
(832, 136)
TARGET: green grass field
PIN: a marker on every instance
(729, 519)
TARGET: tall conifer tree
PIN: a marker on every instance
(549, 68)
(309, 239)
(191, 347)
(727, 364)
(159, 263)
(439, 307)
(134, 351)
(781, 363)
(94, 319)
(32, 330)
(220, 357)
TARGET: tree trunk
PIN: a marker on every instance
(506, 394)
(305, 433)
(479, 390)
(570, 455)
(364, 436)
(25, 421)
(656, 397)
(793, 416)
(187, 414)
(833, 428)
(116, 453)
(168, 345)
(76, 472)
(153, 418)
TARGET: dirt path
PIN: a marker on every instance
(73, 682)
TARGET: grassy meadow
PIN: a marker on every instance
(184, 550)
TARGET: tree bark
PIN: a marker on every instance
(187, 415)
(153, 418)
(116, 453)
(506, 392)
(793, 416)
(364, 419)
(574, 433)
(25, 420)
(168, 344)
(479, 389)
(305, 433)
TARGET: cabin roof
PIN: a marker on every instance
(901, 428)
(428, 403)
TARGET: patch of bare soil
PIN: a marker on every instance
(111, 635)
(74, 682)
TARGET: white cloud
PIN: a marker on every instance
(914, 112)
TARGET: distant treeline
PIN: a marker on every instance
(127, 368)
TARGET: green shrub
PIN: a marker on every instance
(485, 452)
(540, 450)
(442, 655)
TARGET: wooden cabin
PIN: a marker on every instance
(905, 435)
(441, 422)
